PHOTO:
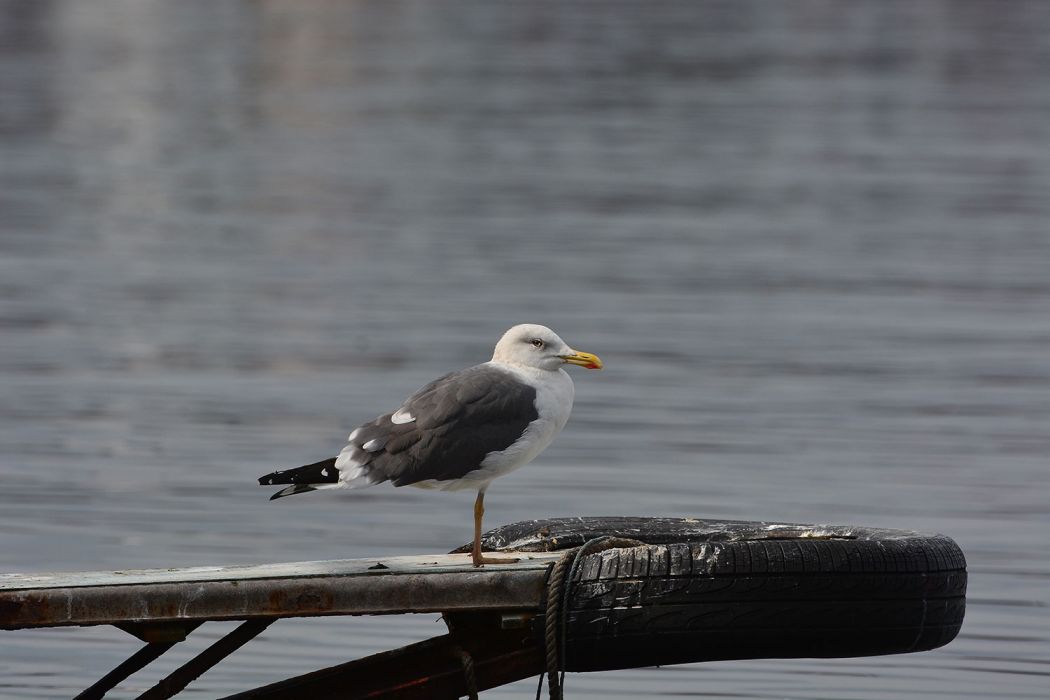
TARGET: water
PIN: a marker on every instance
(810, 240)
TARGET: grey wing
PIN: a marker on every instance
(443, 431)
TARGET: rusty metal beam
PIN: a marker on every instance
(434, 583)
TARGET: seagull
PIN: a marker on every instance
(462, 430)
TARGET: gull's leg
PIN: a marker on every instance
(475, 554)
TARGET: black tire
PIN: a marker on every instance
(734, 590)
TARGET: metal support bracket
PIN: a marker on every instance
(161, 637)
(192, 669)
(431, 669)
(160, 631)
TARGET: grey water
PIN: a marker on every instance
(811, 241)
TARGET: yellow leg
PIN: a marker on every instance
(475, 554)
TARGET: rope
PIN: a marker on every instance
(560, 576)
(468, 675)
(555, 595)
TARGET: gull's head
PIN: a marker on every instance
(532, 345)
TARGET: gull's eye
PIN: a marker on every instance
(537, 343)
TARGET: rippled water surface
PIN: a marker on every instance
(811, 241)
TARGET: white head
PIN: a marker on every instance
(532, 345)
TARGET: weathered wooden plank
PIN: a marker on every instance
(428, 583)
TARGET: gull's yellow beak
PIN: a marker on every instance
(583, 359)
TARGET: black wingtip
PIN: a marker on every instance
(323, 472)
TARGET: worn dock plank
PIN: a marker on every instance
(388, 585)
